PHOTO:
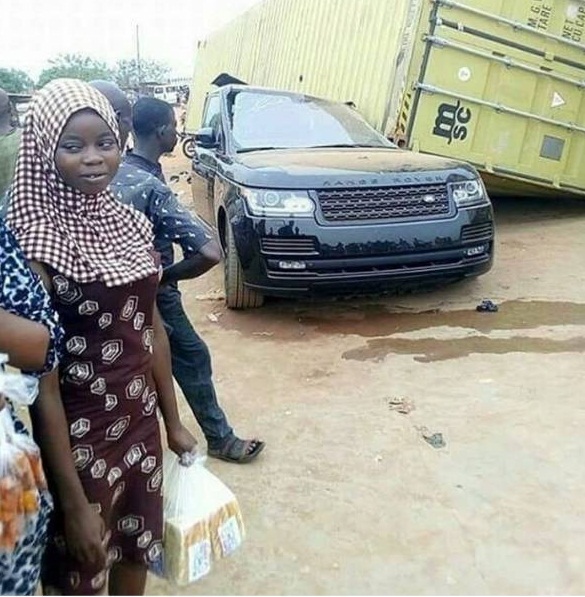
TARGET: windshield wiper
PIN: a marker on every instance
(247, 149)
(332, 146)
(350, 145)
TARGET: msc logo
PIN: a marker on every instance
(450, 122)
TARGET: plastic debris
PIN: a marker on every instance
(436, 440)
(487, 307)
(404, 406)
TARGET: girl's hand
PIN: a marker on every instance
(181, 440)
(84, 535)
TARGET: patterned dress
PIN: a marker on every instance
(111, 404)
(22, 293)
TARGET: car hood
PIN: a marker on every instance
(341, 167)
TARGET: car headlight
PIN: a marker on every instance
(263, 202)
(467, 193)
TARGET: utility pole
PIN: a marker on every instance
(138, 58)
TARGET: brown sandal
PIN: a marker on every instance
(240, 451)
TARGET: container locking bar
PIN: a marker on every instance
(505, 60)
(510, 22)
(498, 107)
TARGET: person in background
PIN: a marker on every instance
(9, 143)
(96, 257)
(141, 183)
(121, 106)
(31, 336)
(183, 119)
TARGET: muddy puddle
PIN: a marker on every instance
(377, 321)
(428, 350)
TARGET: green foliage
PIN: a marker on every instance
(128, 76)
(15, 81)
(74, 66)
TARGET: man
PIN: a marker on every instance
(9, 144)
(140, 182)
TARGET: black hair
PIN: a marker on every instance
(148, 114)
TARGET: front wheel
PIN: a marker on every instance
(237, 295)
(188, 147)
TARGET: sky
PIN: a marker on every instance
(34, 31)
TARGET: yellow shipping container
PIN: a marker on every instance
(498, 83)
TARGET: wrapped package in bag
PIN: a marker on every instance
(202, 519)
(21, 472)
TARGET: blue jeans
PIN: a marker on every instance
(192, 370)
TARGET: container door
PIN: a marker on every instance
(500, 84)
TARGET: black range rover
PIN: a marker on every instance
(308, 198)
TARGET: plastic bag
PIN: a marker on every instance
(202, 520)
(21, 479)
(21, 389)
(21, 472)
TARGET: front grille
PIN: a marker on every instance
(276, 245)
(384, 203)
(477, 232)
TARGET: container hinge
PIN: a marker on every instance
(426, 88)
(489, 166)
(549, 56)
(436, 41)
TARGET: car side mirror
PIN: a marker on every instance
(205, 138)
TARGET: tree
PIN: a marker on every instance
(74, 66)
(128, 76)
(15, 81)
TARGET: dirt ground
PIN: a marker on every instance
(348, 497)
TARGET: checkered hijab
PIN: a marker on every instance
(86, 238)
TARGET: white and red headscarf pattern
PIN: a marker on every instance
(86, 238)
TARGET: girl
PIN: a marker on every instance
(96, 257)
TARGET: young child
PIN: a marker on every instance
(96, 258)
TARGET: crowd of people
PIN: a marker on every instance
(90, 305)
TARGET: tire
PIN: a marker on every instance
(188, 147)
(237, 296)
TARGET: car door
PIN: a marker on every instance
(204, 162)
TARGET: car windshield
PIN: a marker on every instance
(261, 120)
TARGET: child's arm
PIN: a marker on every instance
(24, 341)
(179, 437)
(84, 528)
